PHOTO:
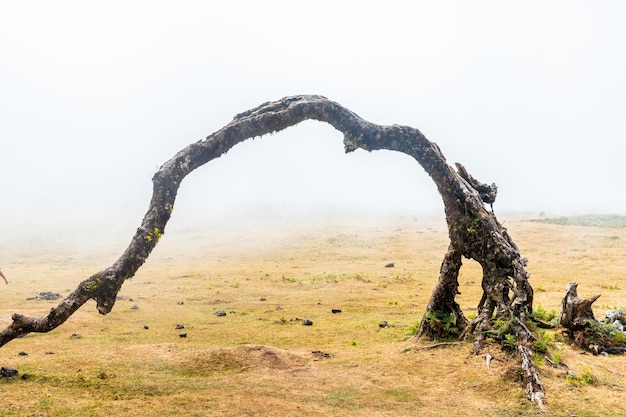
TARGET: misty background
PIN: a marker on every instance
(95, 96)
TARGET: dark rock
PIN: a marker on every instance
(22, 354)
(131, 300)
(307, 322)
(617, 317)
(179, 326)
(390, 265)
(262, 299)
(49, 353)
(145, 326)
(183, 334)
(180, 303)
(75, 336)
(336, 310)
(383, 324)
(320, 355)
(6, 372)
(46, 296)
(220, 313)
(26, 376)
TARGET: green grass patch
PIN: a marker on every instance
(589, 220)
(547, 316)
(399, 394)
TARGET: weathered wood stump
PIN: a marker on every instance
(582, 327)
(576, 314)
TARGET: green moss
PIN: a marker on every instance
(155, 234)
(474, 225)
(92, 286)
(350, 142)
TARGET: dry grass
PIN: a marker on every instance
(258, 360)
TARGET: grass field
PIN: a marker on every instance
(260, 360)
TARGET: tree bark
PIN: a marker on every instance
(442, 301)
(474, 231)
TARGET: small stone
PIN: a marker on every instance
(145, 326)
(22, 354)
(75, 336)
(262, 299)
(336, 310)
(7, 372)
(307, 322)
(135, 307)
(26, 376)
(390, 265)
(220, 313)
(49, 353)
(279, 308)
(183, 334)
(180, 303)
(179, 326)
(383, 324)
(131, 300)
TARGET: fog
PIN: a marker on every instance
(95, 97)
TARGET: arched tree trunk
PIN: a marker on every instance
(474, 231)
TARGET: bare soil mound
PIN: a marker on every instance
(246, 357)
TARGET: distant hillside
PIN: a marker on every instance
(591, 220)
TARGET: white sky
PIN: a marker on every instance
(94, 96)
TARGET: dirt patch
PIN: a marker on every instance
(246, 357)
(153, 352)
